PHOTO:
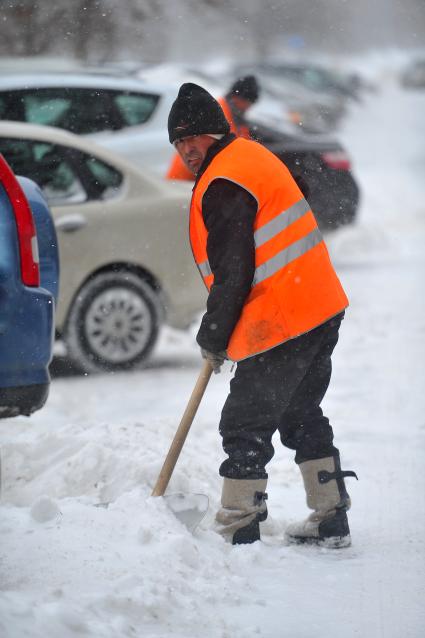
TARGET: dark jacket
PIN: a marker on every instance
(229, 212)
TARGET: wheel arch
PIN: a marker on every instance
(121, 266)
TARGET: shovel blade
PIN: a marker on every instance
(189, 509)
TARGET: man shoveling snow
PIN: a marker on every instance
(275, 306)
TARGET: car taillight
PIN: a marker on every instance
(295, 117)
(27, 236)
(337, 160)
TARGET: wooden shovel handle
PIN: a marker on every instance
(182, 431)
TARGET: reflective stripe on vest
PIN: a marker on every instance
(284, 257)
(282, 221)
(205, 268)
(271, 230)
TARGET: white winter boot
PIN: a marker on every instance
(243, 506)
(328, 498)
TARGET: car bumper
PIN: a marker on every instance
(332, 194)
(335, 200)
(26, 346)
(22, 400)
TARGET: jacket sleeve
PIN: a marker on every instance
(229, 212)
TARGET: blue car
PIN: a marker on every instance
(29, 275)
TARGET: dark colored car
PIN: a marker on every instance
(413, 75)
(322, 170)
(28, 291)
(316, 78)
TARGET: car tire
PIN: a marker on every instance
(113, 323)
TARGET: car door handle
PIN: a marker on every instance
(70, 223)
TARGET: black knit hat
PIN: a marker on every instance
(195, 112)
(246, 87)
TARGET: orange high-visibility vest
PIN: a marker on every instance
(179, 170)
(240, 130)
(295, 287)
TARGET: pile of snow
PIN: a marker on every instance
(69, 568)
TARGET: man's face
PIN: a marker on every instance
(193, 149)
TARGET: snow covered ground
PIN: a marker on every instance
(69, 569)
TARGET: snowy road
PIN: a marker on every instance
(68, 569)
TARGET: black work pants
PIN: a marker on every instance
(281, 389)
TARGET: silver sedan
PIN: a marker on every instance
(126, 262)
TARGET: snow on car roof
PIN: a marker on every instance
(81, 80)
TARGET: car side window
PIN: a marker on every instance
(312, 79)
(48, 166)
(80, 111)
(105, 181)
(135, 108)
(44, 110)
(3, 107)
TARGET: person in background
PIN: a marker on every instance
(241, 96)
(275, 305)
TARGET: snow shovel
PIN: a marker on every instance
(188, 508)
